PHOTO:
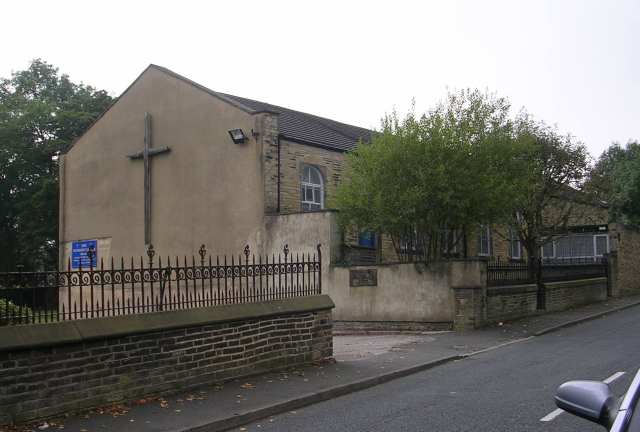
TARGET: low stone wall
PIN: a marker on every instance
(49, 369)
(565, 295)
(508, 302)
(376, 327)
(518, 301)
(391, 293)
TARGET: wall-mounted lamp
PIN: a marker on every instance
(237, 136)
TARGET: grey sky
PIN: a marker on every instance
(570, 63)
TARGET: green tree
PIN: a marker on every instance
(424, 181)
(615, 178)
(553, 167)
(41, 112)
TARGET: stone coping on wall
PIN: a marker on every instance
(511, 290)
(289, 213)
(578, 283)
(417, 263)
(23, 337)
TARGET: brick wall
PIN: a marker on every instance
(55, 368)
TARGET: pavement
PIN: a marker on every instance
(506, 389)
(360, 362)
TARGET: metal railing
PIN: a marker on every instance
(555, 270)
(135, 287)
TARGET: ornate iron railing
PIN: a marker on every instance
(134, 287)
(522, 272)
(509, 273)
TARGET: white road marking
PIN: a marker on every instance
(551, 415)
(613, 377)
(555, 413)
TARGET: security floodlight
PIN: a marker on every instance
(237, 136)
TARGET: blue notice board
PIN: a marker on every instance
(80, 253)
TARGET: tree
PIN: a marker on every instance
(553, 168)
(424, 181)
(615, 178)
(41, 112)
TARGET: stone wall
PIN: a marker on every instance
(625, 246)
(293, 157)
(517, 301)
(565, 295)
(415, 294)
(267, 124)
(509, 302)
(49, 369)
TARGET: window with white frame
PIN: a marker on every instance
(484, 241)
(601, 244)
(311, 189)
(548, 249)
(515, 246)
(577, 246)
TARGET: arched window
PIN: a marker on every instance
(312, 189)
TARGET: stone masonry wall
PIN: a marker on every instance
(509, 302)
(565, 295)
(47, 379)
(267, 124)
(626, 243)
(293, 157)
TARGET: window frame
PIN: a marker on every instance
(313, 186)
(514, 239)
(595, 245)
(484, 229)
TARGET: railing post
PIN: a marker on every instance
(319, 268)
(541, 297)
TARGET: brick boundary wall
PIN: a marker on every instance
(50, 369)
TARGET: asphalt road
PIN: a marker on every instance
(507, 389)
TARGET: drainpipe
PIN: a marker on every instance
(278, 183)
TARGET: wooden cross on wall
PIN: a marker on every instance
(146, 155)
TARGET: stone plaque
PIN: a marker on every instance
(368, 277)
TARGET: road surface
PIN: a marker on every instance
(507, 389)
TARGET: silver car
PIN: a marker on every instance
(594, 401)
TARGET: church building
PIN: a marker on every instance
(177, 165)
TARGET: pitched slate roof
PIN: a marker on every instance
(294, 125)
(308, 128)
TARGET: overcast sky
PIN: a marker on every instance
(571, 63)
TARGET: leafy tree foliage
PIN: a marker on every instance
(425, 180)
(615, 179)
(41, 112)
(553, 167)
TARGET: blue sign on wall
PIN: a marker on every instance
(367, 239)
(80, 253)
